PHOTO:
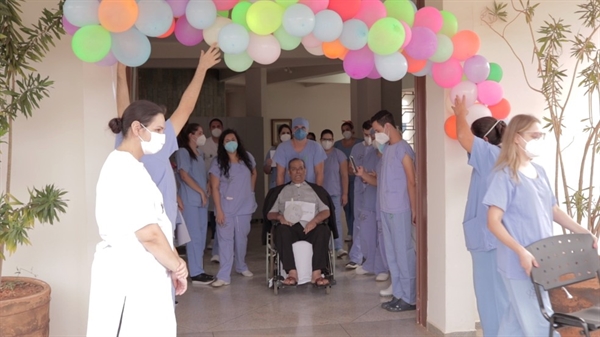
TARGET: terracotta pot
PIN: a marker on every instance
(585, 294)
(26, 316)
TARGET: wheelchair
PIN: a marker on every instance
(274, 270)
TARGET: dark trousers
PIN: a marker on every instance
(212, 224)
(285, 236)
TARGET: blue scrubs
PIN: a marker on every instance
(492, 298)
(238, 204)
(273, 174)
(356, 255)
(194, 213)
(312, 154)
(332, 183)
(528, 217)
(349, 208)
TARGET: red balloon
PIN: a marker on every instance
(450, 127)
(347, 9)
(500, 110)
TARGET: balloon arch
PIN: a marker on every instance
(374, 39)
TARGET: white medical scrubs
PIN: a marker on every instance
(130, 291)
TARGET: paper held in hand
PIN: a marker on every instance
(299, 211)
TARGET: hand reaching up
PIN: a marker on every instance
(210, 58)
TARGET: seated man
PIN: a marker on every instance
(311, 202)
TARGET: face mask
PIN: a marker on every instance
(368, 140)
(327, 144)
(200, 141)
(347, 134)
(231, 147)
(285, 137)
(155, 144)
(533, 148)
(300, 134)
(382, 138)
(216, 133)
(380, 147)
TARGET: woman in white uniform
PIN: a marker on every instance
(135, 263)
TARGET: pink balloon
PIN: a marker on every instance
(69, 27)
(447, 74)
(186, 34)
(178, 7)
(316, 51)
(489, 92)
(315, 5)
(407, 35)
(264, 49)
(423, 43)
(108, 60)
(225, 5)
(429, 17)
(370, 11)
(374, 75)
(359, 64)
(310, 41)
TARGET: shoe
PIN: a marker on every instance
(400, 305)
(386, 292)
(219, 283)
(341, 253)
(210, 244)
(247, 273)
(382, 277)
(351, 265)
(387, 304)
(361, 271)
(203, 279)
(348, 238)
(215, 259)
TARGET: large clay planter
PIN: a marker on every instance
(26, 316)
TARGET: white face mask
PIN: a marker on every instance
(368, 140)
(200, 141)
(533, 147)
(327, 144)
(382, 138)
(216, 133)
(347, 134)
(155, 144)
(285, 137)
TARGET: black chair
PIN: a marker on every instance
(564, 260)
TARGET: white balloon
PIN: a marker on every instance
(264, 49)
(391, 67)
(81, 12)
(155, 17)
(211, 34)
(233, 38)
(477, 111)
(317, 51)
(328, 26)
(201, 14)
(467, 89)
(355, 34)
(298, 20)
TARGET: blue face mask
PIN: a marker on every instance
(231, 147)
(380, 147)
(300, 134)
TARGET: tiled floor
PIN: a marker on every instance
(248, 308)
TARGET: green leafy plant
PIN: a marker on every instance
(21, 90)
(557, 82)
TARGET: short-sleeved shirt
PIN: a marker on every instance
(160, 170)
(273, 174)
(528, 213)
(301, 192)
(237, 196)
(392, 184)
(332, 180)
(358, 153)
(196, 170)
(210, 151)
(482, 158)
(368, 193)
(347, 150)
(312, 154)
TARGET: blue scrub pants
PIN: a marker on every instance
(349, 208)
(233, 241)
(381, 245)
(523, 317)
(368, 233)
(492, 298)
(196, 220)
(355, 255)
(337, 203)
(401, 254)
(212, 221)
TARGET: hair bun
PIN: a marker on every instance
(116, 125)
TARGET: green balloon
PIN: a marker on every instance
(287, 41)
(238, 14)
(286, 3)
(495, 72)
(91, 43)
(402, 10)
(450, 26)
(386, 36)
(238, 62)
(224, 14)
(264, 17)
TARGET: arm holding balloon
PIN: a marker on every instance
(122, 89)
(463, 131)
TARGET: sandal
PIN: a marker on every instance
(290, 281)
(321, 283)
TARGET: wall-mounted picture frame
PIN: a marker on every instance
(275, 123)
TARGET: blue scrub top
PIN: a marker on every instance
(391, 183)
(160, 170)
(358, 153)
(482, 158)
(196, 169)
(369, 193)
(527, 206)
(347, 150)
(332, 181)
(237, 196)
(312, 154)
(377, 201)
(273, 174)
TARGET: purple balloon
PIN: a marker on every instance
(69, 27)
(108, 60)
(477, 69)
(178, 7)
(422, 45)
(359, 64)
(186, 34)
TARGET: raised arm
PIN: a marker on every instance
(190, 96)
(122, 89)
(463, 131)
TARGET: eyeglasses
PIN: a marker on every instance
(536, 134)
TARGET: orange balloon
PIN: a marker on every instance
(118, 16)
(500, 110)
(169, 32)
(414, 65)
(343, 56)
(450, 127)
(466, 44)
(333, 49)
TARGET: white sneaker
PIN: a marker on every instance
(210, 244)
(361, 271)
(348, 238)
(219, 283)
(214, 258)
(382, 277)
(341, 253)
(385, 292)
(247, 273)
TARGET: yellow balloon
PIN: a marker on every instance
(264, 17)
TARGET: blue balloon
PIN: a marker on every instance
(82, 13)
(155, 17)
(328, 26)
(131, 48)
(201, 14)
(233, 38)
(355, 34)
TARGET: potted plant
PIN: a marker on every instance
(574, 183)
(24, 302)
